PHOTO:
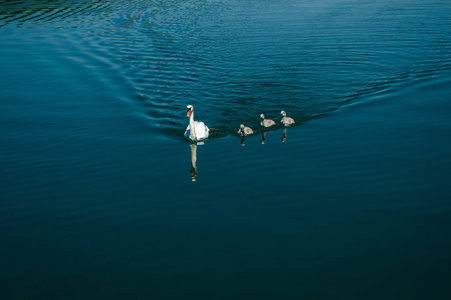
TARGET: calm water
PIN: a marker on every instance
(97, 198)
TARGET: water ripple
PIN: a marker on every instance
(235, 60)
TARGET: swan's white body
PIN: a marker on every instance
(266, 122)
(286, 120)
(197, 130)
(245, 131)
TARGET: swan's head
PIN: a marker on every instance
(283, 113)
(262, 116)
(242, 126)
(189, 110)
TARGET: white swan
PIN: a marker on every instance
(286, 120)
(266, 122)
(245, 131)
(197, 130)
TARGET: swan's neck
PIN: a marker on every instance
(193, 156)
(192, 128)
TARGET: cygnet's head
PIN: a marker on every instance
(262, 116)
(283, 113)
(241, 131)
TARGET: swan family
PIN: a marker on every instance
(198, 131)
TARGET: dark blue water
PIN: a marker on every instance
(97, 195)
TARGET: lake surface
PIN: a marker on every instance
(102, 196)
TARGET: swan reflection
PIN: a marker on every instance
(284, 135)
(193, 170)
(283, 138)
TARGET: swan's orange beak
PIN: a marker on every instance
(188, 113)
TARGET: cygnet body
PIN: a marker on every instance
(245, 131)
(286, 120)
(266, 122)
